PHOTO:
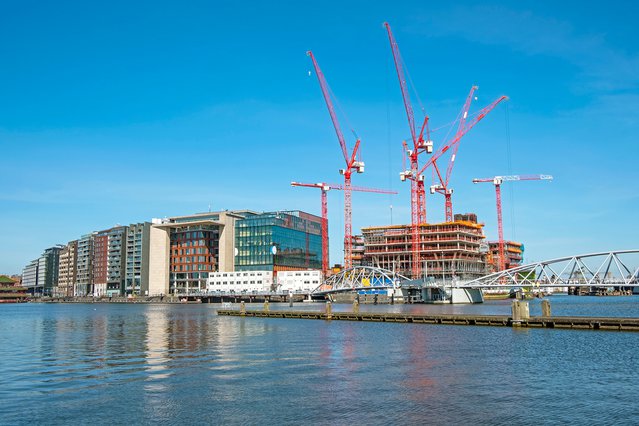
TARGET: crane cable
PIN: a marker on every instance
(511, 192)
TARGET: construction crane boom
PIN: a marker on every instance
(497, 181)
(417, 192)
(325, 187)
(455, 139)
(460, 129)
(352, 164)
(443, 186)
(329, 105)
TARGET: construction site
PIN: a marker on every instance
(451, 250)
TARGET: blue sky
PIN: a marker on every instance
(120, 112)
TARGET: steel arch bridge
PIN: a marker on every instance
(360, 278)
(605, 269)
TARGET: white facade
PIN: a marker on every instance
(240, 282)
(302, 281)
(264, 281)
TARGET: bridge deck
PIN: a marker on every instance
(585, 323)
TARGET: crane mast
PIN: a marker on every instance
(497, 181)
(417, 192)
(325, 187)
(351, 164)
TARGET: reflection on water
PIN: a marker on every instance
(129, 364)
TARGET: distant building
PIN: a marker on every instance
(10, 291)
(241, 281)
(199, 245)
(446, 250)
(264, 281)
(67, 270)
(278, 241)
(30, 277)
(359, 249)
(298, 281)
(178, 255)
(137, 258)
(42, 273)
(513, 253)
(109, 252)
(84, 265)
(116, 258)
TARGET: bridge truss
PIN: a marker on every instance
(360, 278)
(605, 269)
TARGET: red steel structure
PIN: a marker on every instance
(417, 193)
(453, 144)
(497, 181)
(351, 164)
(325, 187)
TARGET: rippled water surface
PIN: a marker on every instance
(142, 364)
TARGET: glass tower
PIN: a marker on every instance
(278, 241)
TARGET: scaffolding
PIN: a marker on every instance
(447, 251)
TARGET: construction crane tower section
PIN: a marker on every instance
(497, 181)
(417, 193)
(352, 163)
(325, 187)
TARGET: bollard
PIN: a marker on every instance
(242, 308)
(524, 310)
(355, 306)
(290, 299)
(545, 308)
(516, 313)
(329, 310)
(266, 309)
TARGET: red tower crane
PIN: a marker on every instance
(351, 164)
(497, 181)
(453, 144)
(325, 187)
(417, 193)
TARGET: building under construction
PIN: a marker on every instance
(446, 250)
(513, 255)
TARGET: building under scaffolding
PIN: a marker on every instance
(446, 250)
(513, 252)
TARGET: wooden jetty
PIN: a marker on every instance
(582, 323)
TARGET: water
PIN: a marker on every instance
(142, 364)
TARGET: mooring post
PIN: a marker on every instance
(290, 299)
(329, 310)
(355, 306)
(524, 310)
(516, 313)
(266, 308)
(545, 308)
(242, 308)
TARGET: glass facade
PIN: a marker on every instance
(278, 241)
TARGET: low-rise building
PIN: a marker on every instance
(264, 281)
(298, 281)
(241, 282)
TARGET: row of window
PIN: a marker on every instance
(199, 250)
(192, 259)
(196, 267)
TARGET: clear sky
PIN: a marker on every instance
(123, 111)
